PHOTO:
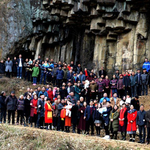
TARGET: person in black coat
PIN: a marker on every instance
(3, 107)
(126, 83)
(11, 103)
(63, 92)
(27, 101)
(2, 68)
(98, 119)
(135, 102)
(141, 123)
(14, 69)
(75, 115)
(40, 111)
(88, 115)
(102, 72)
(60, 123)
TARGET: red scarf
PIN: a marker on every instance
(122, 112)
(86, 74)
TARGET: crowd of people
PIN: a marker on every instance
(78, 99)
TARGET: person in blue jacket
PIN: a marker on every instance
(141, 123)
(43, 92)
(88, 115)
(43, 72)
(59, 76)
(106, 118)
(104, 97)
(146, 65)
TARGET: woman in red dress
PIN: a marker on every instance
(48, 113)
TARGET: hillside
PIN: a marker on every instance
(17, 137)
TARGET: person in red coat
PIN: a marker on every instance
(50, 94)
(48, 113)
(33, 110)
(131, 125)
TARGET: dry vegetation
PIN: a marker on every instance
(17, 137)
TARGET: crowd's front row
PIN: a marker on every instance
(64, 113)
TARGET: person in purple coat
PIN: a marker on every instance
(113, 84)
(101, 86)
(107, 85)
(20, 109)
(120, 87)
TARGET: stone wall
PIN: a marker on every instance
(109, 33)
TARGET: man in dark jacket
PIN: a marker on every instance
(61, 122)
(40, 111)
(63, 92)
(74, 115)
(3, 107)
(69, 75)
(102, 72)
(54, 74)
(59, 76)
(144, 81)
(82, 77)
(126, 83)
(141, 123)
(133, 79)
(147, 118)
(88, 115)
(11, 103)
(135, 102)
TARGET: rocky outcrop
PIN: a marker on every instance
(15, 25)
(109, 33)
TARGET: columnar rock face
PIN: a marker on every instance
(110, 33)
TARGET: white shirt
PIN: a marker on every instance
(20, 62)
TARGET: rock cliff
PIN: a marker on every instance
(114, 34)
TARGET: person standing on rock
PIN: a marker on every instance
(11, 103)
(19, 66)
(3, 106)
(147, 118)
(8, 67)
